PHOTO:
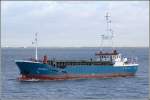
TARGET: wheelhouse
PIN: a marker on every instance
(107, 56)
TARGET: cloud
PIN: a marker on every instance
(74, 23)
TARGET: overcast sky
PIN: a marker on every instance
(73, 24)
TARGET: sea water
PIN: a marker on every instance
(112, 88)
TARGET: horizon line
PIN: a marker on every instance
(76, 47)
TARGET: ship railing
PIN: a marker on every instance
(132, 60)
(34, 60)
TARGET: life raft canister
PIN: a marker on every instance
(45, 59)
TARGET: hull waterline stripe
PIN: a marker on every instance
(65, 77)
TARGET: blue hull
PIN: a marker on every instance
(30, 70)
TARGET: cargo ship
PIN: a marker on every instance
(105, 65)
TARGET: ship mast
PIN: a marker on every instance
(36, 58)
(107, 21)
(109, 34)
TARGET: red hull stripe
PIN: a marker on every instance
(64, 77)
